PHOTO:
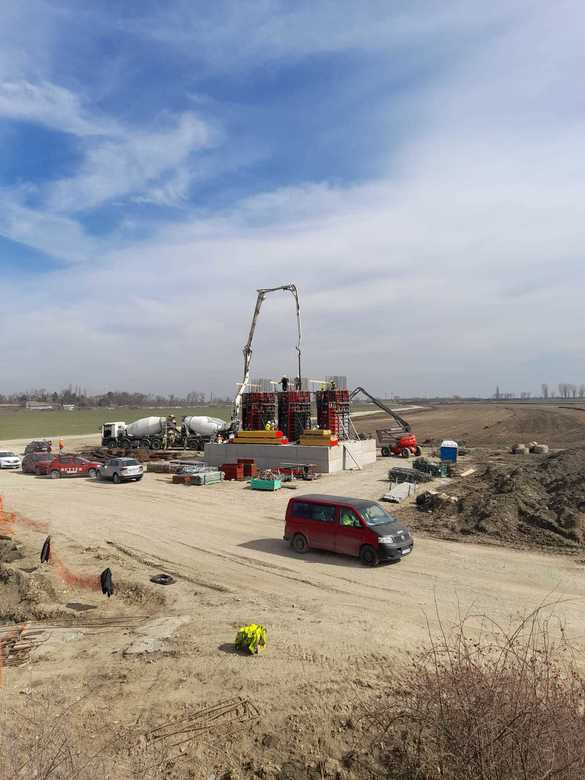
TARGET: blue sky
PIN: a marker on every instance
(414, 167)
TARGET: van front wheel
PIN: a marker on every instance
(368, 556)
(300, 544)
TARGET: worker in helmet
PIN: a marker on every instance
(61, 445)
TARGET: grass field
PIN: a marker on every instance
(25, 423)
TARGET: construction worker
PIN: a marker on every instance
(347, 518)
(284, 384)
(61, 446)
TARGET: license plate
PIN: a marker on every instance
(405, 551)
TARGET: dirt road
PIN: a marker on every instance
(335, 628)
(228, 539)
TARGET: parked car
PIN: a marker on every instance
(122, 470)
(33, 462)
(69, 466)
(8, 460)
(39, 445)
(353, 526)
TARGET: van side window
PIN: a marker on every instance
(323, 513)
(319, 512)
(302, 509)
(349, 519)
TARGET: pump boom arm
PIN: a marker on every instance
(248, 346)
(402, 427)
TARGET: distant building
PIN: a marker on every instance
(69, 407)
(38, 405)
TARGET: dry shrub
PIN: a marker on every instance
(503, 705)
(45, 736)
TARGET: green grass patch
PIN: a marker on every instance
(27, 423)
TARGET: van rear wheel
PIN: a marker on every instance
(368, 556)
(300, 544)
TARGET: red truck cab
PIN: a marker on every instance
(352, 526)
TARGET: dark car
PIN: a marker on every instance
(353, 526)
(34, 461)
(40, 445)
(69, 466)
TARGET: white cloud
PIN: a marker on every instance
(51, 105)
(132, 164)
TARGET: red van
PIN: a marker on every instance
(353, 526)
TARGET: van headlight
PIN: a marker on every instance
(387, 539)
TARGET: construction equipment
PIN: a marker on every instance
(161, 433)
(262, 293)
(396, 439)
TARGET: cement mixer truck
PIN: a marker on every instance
(161, 433)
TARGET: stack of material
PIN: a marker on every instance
(260, 437)
(435, 469)
(249, 465)
(187, 474)
(207, 478)
(232, 471)
(398, 474)
(320, 438)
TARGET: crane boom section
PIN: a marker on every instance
(262, 293)
(403, 425)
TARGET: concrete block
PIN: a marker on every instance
(327, 460)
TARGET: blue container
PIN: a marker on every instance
(449, 450)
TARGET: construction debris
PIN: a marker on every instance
(436, 469)
(536, 502)
(216, 718)
(398, 474)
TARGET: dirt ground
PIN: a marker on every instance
(491, 425)
(152, 654)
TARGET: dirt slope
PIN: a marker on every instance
(492, 425)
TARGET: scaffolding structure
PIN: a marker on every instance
(294, 413)
(333, 412)
(258, 409)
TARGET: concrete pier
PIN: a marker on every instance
(348, 455)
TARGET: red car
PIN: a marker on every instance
(353, 526)
(68, 466)
(34, 462)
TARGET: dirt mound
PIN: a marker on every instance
(540, 503)
(26, 596)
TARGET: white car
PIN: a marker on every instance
(8, 460)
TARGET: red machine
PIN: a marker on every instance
(397, 439)
(391, 444)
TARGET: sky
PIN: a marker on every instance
(415, 168)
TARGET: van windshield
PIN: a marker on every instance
(373, 514)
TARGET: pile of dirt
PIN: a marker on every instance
(541, 503)
(26, 596)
